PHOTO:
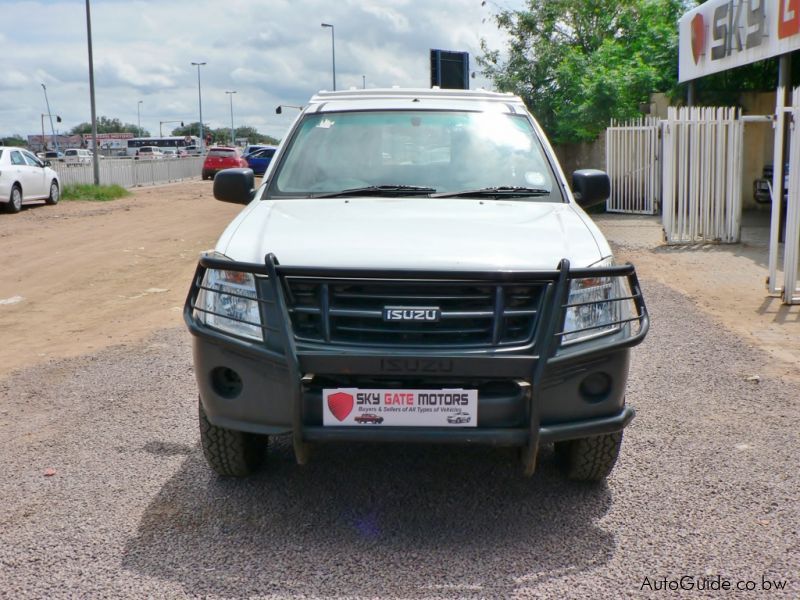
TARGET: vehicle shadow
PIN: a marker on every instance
(371, 521)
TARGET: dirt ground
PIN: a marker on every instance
(81, 276)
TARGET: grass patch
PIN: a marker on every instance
(93, 193)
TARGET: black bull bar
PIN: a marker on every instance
(531, 364)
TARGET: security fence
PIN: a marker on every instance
(129, 173)
(702, 175)
(633, 162)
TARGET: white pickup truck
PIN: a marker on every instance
(414, 268)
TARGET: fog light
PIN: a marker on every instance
(226, 382)
(595, 387)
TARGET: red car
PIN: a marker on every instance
(369, 418)
(219, 158)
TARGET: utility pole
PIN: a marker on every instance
(200, 102)
(230, 95)
(138, 119)
(95, 153)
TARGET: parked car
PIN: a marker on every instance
(194, 150)
(250, 148)
(25, 178)
(414, 250)
(369, 418)
(54, 156)
(219, 158)
(170, 153)
(259, 160)
(459, 417)
(78, 156)
(761, 186)
(149, 153)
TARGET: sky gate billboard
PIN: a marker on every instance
(723, 34)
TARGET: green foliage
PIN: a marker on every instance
(222, 135)
(93, 193)
(109, 125)
(579, 64)
(14, 140)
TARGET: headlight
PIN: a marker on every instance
(596, 310)
(229, 303)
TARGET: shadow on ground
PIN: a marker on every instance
(371, 521)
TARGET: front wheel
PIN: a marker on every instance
(231, 453)
(591, 458)
(54, 193)
(15, 204)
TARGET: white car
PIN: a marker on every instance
(78, 156)
(412, 251)
(149, 153)
(24, 178)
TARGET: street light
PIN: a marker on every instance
(279, 108)
(364, 80)
(230, 94)
(333, 53)
(139, 119)
(47, 103)
(161, 123)
(200, 101)
(58, 120)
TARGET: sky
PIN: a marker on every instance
(269, 51)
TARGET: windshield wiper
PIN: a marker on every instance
(379, 190)
(503, 191)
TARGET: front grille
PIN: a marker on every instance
(473, 314)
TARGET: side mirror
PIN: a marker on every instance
(47, 163)
(590, 187)
(234, 185)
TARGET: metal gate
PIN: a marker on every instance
(702, 175)
(632, 162)
(791, 250)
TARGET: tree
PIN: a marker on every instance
(109, 125)
(579, 64)
(14, 140)
(222, 135)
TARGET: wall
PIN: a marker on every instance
(585, 155)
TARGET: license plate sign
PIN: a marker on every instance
(404, 408)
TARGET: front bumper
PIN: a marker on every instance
(526, 397)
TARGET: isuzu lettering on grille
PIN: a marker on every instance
(411, 313)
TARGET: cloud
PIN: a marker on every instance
(270, 51)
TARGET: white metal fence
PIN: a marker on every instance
(633, 165)
(791, 249)
(702, 175)
(131, 173)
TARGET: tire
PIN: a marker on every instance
(231, 453)
(15, 201)
(591, 458)
(55, 193)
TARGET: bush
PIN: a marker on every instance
(94, 193)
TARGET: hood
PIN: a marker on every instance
(412, 233)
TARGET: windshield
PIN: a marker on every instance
(222, 153)
(437, 152)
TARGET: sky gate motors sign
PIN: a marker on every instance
(723, 34)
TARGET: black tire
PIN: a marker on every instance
(55, 193)
(231, 453)
(591, 458)
(15, 200)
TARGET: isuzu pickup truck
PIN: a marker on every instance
(414, 268)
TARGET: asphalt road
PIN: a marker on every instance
(707, 485)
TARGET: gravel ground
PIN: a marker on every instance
(707, 484)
